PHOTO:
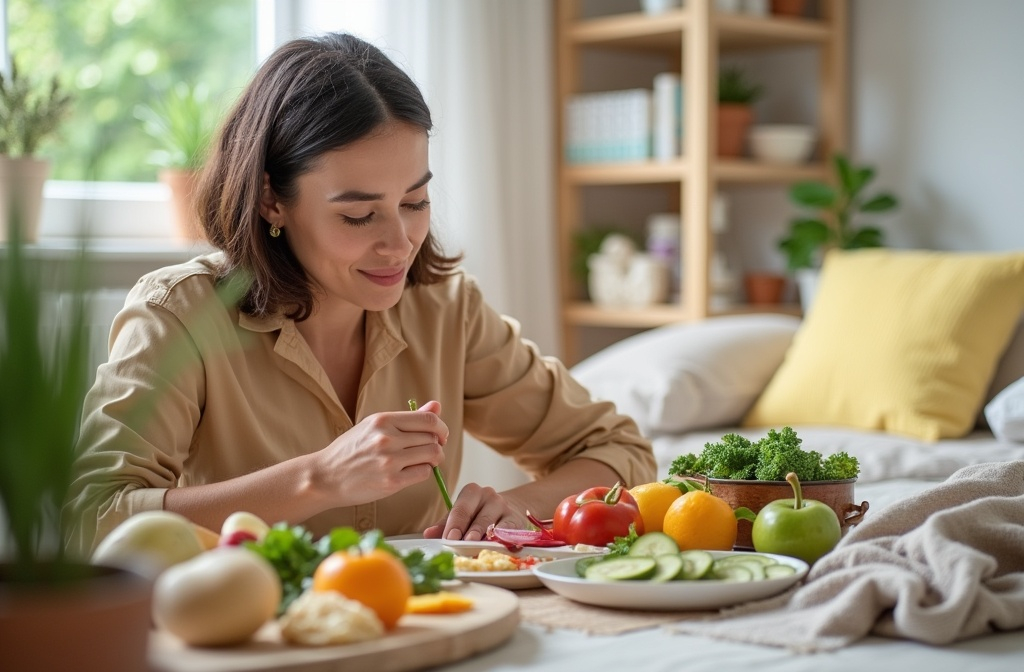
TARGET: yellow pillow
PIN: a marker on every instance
(899, 341)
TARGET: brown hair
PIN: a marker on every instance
(313, 95)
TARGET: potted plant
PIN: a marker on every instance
(736, 97)
(182, 123)
(30, 114)
(832, 225)
(56, 611)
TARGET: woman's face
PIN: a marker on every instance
(360, 216)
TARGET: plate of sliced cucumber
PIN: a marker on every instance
(657, 576)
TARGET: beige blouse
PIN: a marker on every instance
(196, 392)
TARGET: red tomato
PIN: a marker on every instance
(596, 516)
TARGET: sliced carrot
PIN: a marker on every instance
(443, 602)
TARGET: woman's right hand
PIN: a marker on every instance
(381, 455)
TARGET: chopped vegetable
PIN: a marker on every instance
(295, 557)
(444, 602)
(769, 459)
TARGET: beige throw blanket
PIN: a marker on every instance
(945, 565)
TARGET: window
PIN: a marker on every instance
(115, 54)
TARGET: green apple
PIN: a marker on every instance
(800, 528)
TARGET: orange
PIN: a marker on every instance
(653, 499)
(377, 579)
(698, 519)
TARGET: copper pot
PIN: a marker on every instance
(755, 494)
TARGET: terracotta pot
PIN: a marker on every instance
(182, 184)
(21, 195)
(791, 8)
(764, 288)
(734, 122)
(96, 623)
(755, 494)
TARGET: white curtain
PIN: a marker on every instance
(486, 69)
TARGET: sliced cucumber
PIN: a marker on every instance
(654, 544)
(778, 571)
(583, 563)
(622, 569)
(668, 567)
(731, 572)
(696, 564)
(744, 558)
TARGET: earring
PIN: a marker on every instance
(274, 231)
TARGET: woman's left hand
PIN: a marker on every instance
(477, 508)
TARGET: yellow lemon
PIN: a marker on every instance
(698, 519)
(653, 499)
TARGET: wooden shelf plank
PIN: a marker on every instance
(666, 31)
(657, 172)
(585, 314)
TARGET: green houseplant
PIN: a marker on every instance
(182, 123)
(30, 114)
(832, 224)
(736, 97)
(54, 609)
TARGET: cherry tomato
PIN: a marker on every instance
(596, 516)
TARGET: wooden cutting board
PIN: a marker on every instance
(419, 641)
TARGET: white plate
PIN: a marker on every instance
(517, 580)
(560, 576)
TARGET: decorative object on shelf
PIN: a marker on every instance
(660, 6)
(662, 243)
(756, 7)
(736, 97)
(789, 8)
(622, 277)
(183, 123)
(587, 242)
(787, 144)
(832, 225)
(764, 288)
(102, 614)
(722, 280)
(30, 113)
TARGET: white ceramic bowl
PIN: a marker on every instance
(781, 143)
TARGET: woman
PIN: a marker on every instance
(273, 376)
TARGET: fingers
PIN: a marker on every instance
(432, 410)
(475, 509)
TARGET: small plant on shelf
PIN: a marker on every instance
(734, 88)
(836, 206)
(736, 97)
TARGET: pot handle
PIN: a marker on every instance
(853, 513)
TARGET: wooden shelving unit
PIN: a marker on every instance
(690, 40)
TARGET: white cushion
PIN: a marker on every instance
(1005, 413)
(690, 376)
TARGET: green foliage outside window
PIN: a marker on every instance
(114, 55)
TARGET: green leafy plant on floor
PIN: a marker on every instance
(183, 123)
(30, 112)
(832, 225)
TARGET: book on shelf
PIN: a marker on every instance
(608, 126)
(667, 116)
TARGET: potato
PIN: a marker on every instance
(148, 543)
(219, 598)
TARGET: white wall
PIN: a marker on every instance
(936, 106)
(938, 103)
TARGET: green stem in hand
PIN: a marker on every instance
(437, 471)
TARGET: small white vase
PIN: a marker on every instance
(21, 195)
(807, 285)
